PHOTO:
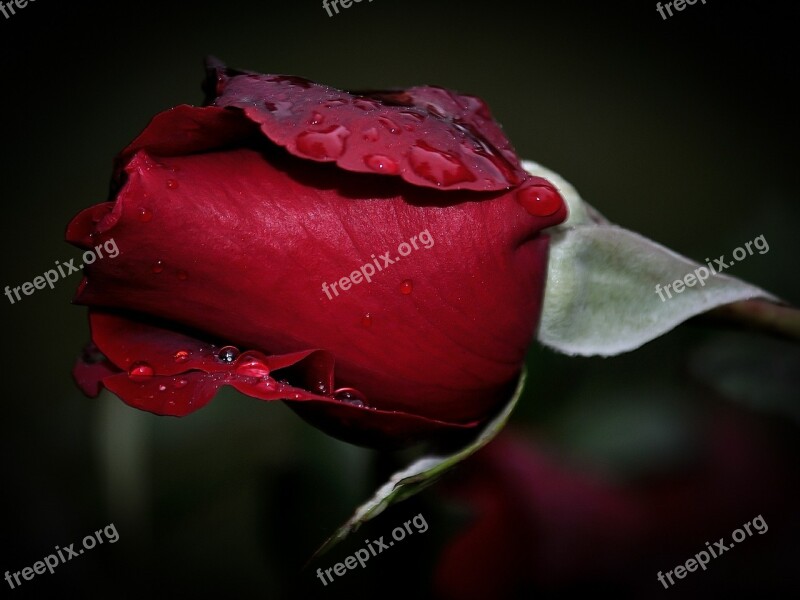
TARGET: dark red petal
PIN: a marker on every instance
(187, 130)
(91, 369)
(171, 373)
(449, 142)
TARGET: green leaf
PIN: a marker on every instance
(419, 475)
(601, 296)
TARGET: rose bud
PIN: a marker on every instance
(374, 259)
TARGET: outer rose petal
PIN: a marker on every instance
(181, 374)
(429, 141)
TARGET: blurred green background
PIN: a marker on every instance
(684, 130)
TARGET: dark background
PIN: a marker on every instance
(684, 130)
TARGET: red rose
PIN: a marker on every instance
(247, 221)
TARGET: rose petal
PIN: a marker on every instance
(438, 140)
(147, 369)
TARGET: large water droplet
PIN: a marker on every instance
(250, 365)
(282, 109)
(436, 166)
(144, 215)
(181, 356)
(140, 371)
(540, 200)
(228, 354)
(406, 287)
(371, 135)
(381, 164)
(350, 396)
(327, 144)
(365, 104)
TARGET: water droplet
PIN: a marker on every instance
(415, 115)
(365, 104)
(381, 164)
(228, 354)
(366, 321)
(406, 287)
(540, 200)
(250, 365)
(317, 118)
(334, 103)
(390, 125)
(181, 356)
(158, 266)
(180, 383)
(371, 135)
(323, 145)
(145, 215)
(182, 275)
(350, 396)
(320, 387)
(436, 166)
(140, 371)
(162, 387)
(172, 184)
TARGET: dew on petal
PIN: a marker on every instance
(316, 118)
(366, 321)
(406, 287)
(228, 354)
(158, 266)
(371, 135)
(540, 200)
(381, 164)
(350, 396)
(249, 365)
(172, 184)
(180, 383)
(320, 387)
(140, 371)
(390, 125)
(181, 356)
(162, 387)
(144, 215)
(436, 166)
(366, 104)
(323, 145)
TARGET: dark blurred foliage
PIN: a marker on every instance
(684, 130)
